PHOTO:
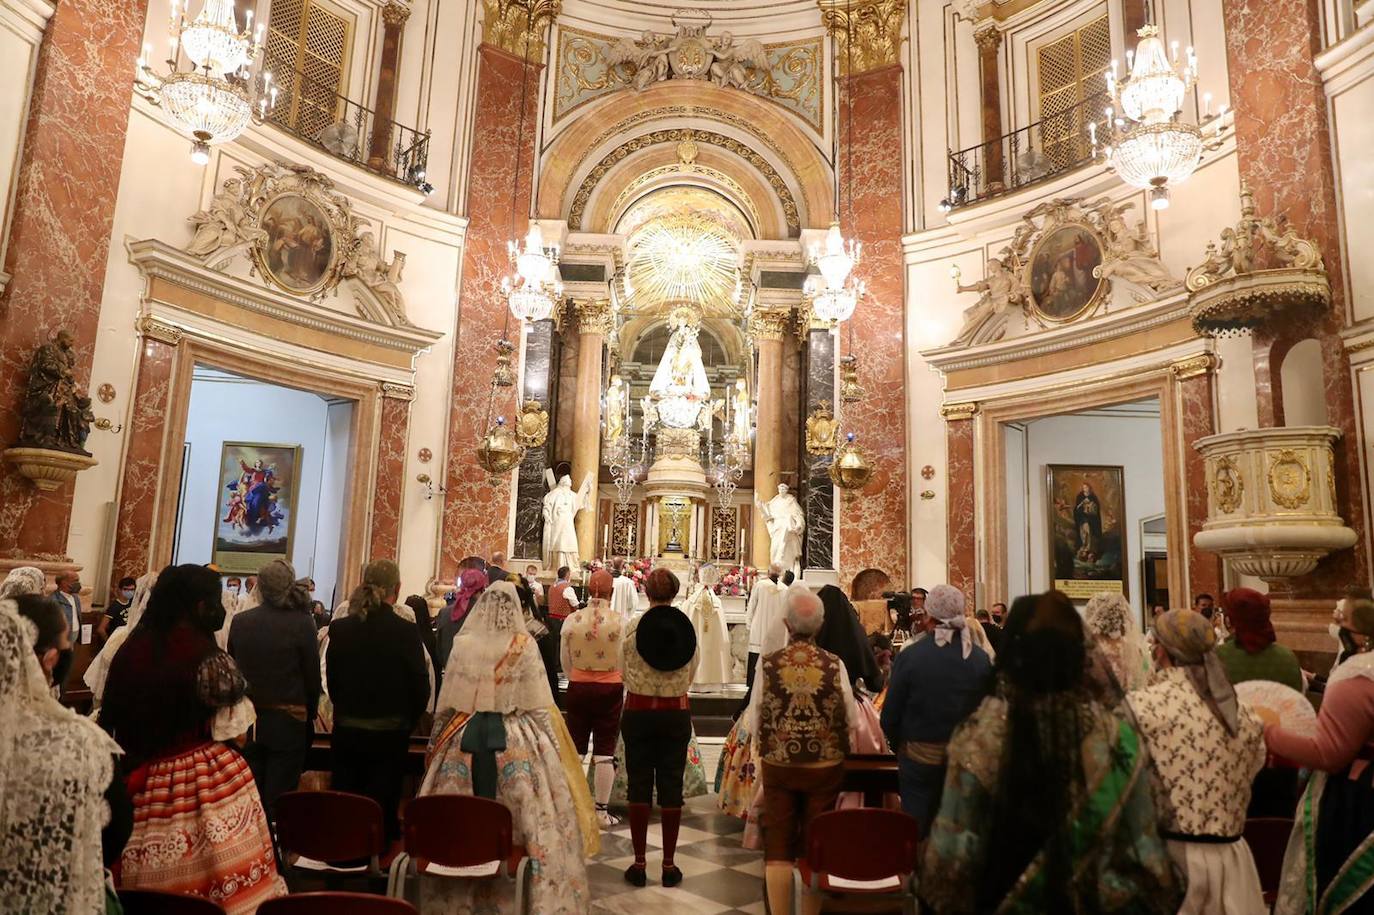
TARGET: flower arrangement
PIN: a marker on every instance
(635, 569)
(736, 581)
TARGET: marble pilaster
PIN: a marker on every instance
(989, 41)
(961, 551)
(389, 495)
(394, 16)
(593, 324)
(1283, 149)
(819, 548)
(476, 517)
(145, 432)
(1198, 417)
(530, 487)
(68, 178)
(873, 528)
(767, 330)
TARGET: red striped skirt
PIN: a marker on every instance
(199, 828)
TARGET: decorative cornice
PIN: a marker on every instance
(519, 27)
(868, 33)
(765, 324)
(156, 329)
(593, 316)
(394, 391)
(395, 13)
(1193, 366)
(954, 412)
(988, 39)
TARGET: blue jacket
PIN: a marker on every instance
(932, 689)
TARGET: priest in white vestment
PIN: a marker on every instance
(767, 602)
(713, 637)
(624, 594)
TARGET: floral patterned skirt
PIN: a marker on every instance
(737, 773)
(199, 829)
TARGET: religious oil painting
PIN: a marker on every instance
(299, 249)
(1062, 285)
(1087, 507)
(256, 517)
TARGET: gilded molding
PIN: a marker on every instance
(157, 329)
(769, 324)
(395, 391)
(873, 27)
(1194, 366)
(519, 26)
(593, 316)
(744, 151)
(1228, 486)
(955, 412)
(1290, 480)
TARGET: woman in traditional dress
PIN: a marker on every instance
(54, 770)
(1108, 619)
(843, 635)
(498, 735)
(1331, 852)
(199, 826)
(1047, 805)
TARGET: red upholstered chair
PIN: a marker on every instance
(459, 837)
(863, 853)
(156, 902)
(327, 828)
(1268, 839)
(335, 904)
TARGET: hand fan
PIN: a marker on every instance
(1276, 704)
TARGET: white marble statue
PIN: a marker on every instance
(561, 505)
(615, 410)
(785, 521)
(742, 421)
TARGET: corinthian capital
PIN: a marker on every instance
(519, 26)
(868, 33)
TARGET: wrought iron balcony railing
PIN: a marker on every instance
(316, 113)
(1051, 146)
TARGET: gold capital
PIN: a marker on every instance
(1194, 366)
(954, 412)
(396, 391)
(868, 33)
(519, 27)
(157, 329)
(593, 316)
(769, 324)
(395, 13)
(989, 39)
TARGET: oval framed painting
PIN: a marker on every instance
(298, 253)
(1059, 276)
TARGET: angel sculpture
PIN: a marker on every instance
(1130, 256)
(561, 505)
(734, 60)
(647, 57)
(225, 228)
(986, 321)
(366, 265)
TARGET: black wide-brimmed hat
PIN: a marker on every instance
(665, 638)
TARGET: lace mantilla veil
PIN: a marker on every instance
(54, 768)
(480, 677)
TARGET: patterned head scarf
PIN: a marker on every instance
(1189, 638)
(945, 604)
(1107, 615)
(470, 584)
(495, 665)
(278, 586)
(1248, 613)
(23, 580)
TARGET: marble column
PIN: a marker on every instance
(820, 491)
(146, 430)
(530, 487)
(1197, 415)
(593, 324)
(873, 521)
(1283, 149)
(767, 329)
(961, 556)
(394, 16)
(989, 41)
(68, 179)
(388, 498)
(477, 506)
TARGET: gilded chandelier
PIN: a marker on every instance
(836, 292)
(1150, 146)
(225, 86)
(535, 288)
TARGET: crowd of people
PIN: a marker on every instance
(1052, 759)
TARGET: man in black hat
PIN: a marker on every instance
(658, 659)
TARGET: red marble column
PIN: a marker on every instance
(989, 41)
(394, 16)
(391, 469)
(477, 506)
(1198, 419)
(873, 522)
(960, 553)
(1283, 145)
(59, 240)
(146, 430)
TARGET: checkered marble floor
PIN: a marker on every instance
(719, 876)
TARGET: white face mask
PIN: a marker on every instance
(1334, 629)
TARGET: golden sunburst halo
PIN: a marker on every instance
(682, 257)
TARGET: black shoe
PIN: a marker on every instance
(635, 875)
(672, 875)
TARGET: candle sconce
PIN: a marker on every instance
(427, 482)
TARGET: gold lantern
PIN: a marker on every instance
(499, 451)
(850, 468)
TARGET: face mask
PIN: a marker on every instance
(63, 668)
(212, 618)
(1334, 629)
(74, 588)
(127, 594)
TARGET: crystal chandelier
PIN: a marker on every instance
(225, 86)
(836, 291)
(1150, 147)
(727, 469)
(535, 289)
